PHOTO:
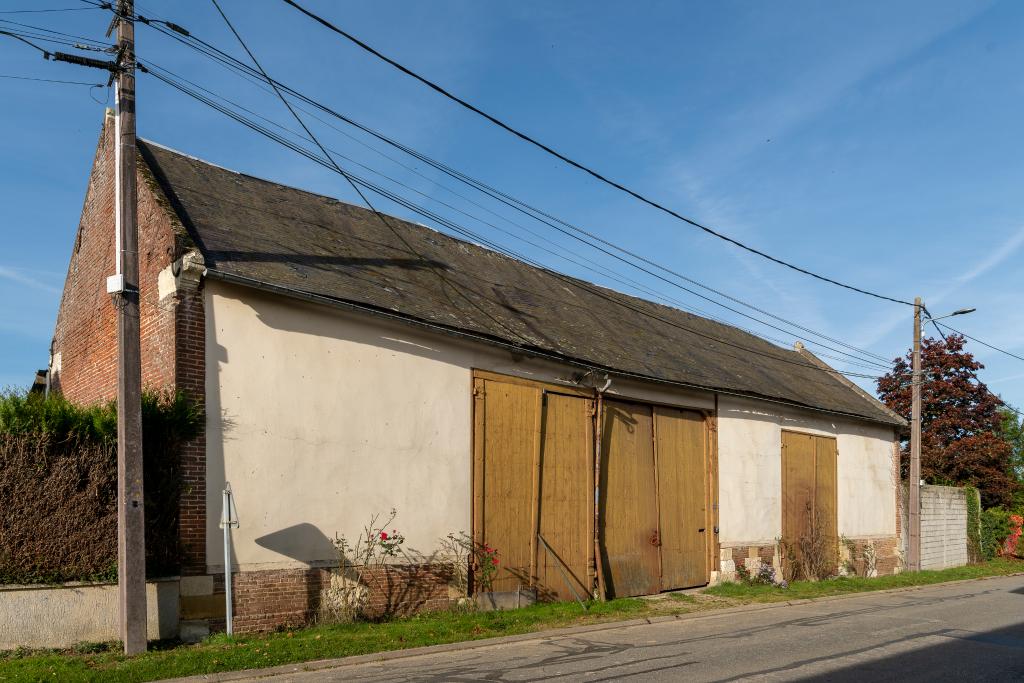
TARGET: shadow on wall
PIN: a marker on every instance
(299, 542)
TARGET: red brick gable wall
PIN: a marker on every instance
(84, 349)
(85, 336)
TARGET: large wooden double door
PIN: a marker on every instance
(534, 491)
(652, 502)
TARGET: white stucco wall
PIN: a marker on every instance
(750, 471)
(319, 417)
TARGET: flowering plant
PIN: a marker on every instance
(485, 565)
(1011, 545)
(363, 564)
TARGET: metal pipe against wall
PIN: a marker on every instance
(228, 519)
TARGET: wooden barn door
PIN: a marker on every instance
(653, 505)
(808, 490)
(629, 501)
(507, 433)
(533, 473)
(566, 509)
(680, 452)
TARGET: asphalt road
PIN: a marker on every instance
(963, 632)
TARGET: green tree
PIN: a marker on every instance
(962, 429)
(1012, 431)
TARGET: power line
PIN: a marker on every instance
(986, 344)
(46, 53)
(62, 34)
(41, 11)
(247, 72)
(633, 193)
(426, 213)
(594, 267)
(50, 80)
(351, 179)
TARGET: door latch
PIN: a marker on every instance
(655, 539)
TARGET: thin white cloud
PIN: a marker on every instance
(19, 276)
(997, 256)
(881, 329)
(1019, 375)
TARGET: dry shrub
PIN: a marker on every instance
(58, 486)
(813, 556)
(58, 510)
(379, 578)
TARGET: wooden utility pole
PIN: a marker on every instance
(914, 483)
(131, 541)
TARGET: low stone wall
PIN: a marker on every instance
(60, 616)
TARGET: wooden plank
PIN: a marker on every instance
(566, 507)
(657, 497)
(521, 381)
(627, 503)
(798, 483)
(538, 445)
(591, 447)
(510, 418)
(680, 454)
(714, 518)
(479, 411)
(825, 489)
(602, 584)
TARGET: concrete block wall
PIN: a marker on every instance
(62, 615)
(943, 526)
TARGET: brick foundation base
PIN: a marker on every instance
(888, 558)
(288, 598)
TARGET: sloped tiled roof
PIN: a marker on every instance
(262, 232)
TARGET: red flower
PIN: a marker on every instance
(494, 560)
(383, 536)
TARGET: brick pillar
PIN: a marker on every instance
(190, 377)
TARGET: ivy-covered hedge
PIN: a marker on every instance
(58, 486)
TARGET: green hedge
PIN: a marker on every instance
(995, 527)
(58, 486)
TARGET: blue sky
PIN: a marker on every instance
(876, 142)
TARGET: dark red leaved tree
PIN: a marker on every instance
(961, 440)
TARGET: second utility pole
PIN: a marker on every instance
(131, 541)
(914, 477)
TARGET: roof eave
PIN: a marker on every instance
(231, 278)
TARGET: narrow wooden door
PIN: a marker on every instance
(680, 452)
(629, 500)
(808, 491)
(566, 497)
(508, 423)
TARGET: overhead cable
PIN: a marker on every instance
(562, 157)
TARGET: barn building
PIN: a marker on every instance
(348, 365)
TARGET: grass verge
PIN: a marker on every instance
(92, 662)
(800, 590)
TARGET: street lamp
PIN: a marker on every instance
(914, 505)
